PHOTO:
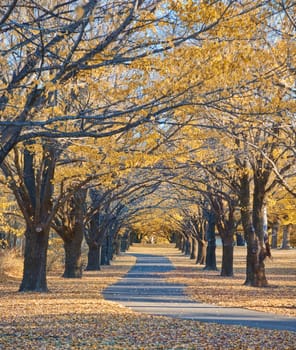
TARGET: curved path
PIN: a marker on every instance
(144, 289)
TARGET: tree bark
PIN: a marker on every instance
(94, 258)
(274, 234)
(227, 259)
(35, 259)
(286, 237)
(70, 227)
(211, 263)
(193, 254)
(118, 246)
(211, 256)
(245, 203)
(255, 268)
(257, 253)
(105, 258)
(256, 272)
(179, 241)
(73, 263)
(183, 245)
(201, 252)
(226, 226)
(187, 246)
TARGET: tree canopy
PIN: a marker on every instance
(173, 112)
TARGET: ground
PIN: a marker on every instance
(73, 315)
(207, 286)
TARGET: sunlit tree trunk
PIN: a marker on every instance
(258, 277)
(246, 216)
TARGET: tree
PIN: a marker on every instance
(41, 188)
(69, 225)
(52, 48)
(33, 191)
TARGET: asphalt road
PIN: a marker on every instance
(144, 289)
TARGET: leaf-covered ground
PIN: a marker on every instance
(207, 286)
(74, 316)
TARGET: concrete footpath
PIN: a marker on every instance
(143, 289)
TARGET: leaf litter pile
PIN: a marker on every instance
(73, 315)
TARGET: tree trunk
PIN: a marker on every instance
(240, 241)
(227, 259)
(286, 237)
(256, 272)
(94, 257)
(183, 245)
(211, 256)
(193, 254)
(34, 275)
(124, 244)
(105, 260)
(117, 246)
(211, 247)
(255, 268)
(73, 236)
(73, 263)
(258, 251)
(187, 246)
(274, 234)
(246, 215)
(201, 252)
(179, 241)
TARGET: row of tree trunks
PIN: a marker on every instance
(202, 246)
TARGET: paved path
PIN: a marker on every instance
(143, 289)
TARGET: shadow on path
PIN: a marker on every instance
(144, 289)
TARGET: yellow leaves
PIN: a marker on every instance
(50, 86)
(147, 16)
(35, 148)
(282, 206)
(140, 159)
(79, 12)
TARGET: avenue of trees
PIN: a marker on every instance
(171, 119)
